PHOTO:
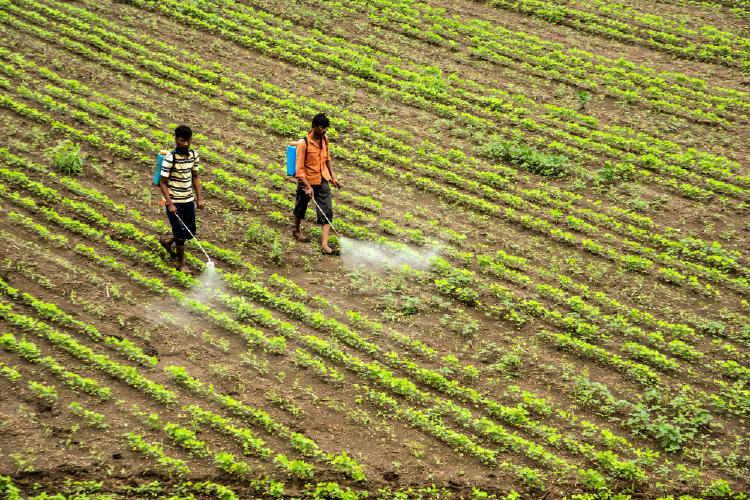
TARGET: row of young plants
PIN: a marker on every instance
(51, 312)
(9, 372)
(549, 60)
(114, 290)
(102, 58)
(619, 323)
(155, 451)
(184, 490)
(668, 42)
(127, 374)
(276, 343)
(433, 379)
(263, 486)
(31, 353)
(686, 189)
(188, 439)
(251, 444)
(464, 114)
(225, 460)
(304, 445)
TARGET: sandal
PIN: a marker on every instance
(300, 237)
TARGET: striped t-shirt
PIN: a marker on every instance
(178, 170)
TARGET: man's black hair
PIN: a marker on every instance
(320, 119)
(183, 131)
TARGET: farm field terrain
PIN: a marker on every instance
(544, 228)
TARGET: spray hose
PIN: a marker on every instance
(209, 263)
(325, 216)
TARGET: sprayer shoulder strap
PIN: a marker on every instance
(325, 138)
(190, 155)
(174, 157)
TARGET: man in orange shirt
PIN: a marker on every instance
(314, 173)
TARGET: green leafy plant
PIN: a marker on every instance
(66, 158)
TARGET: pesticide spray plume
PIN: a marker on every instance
(374, 256)
(210, 284)
(380, 257)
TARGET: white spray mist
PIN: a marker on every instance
(379, 257)
(209, 282)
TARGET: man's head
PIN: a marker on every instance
(182, 136)
(320, 124)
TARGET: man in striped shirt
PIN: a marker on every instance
(182, 191)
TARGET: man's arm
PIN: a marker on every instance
(197, 189)
(333, 176)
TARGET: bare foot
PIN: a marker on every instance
(300, 237)
(184, 269)
(167, 247)
(326, 250)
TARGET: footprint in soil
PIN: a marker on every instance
(390, 476)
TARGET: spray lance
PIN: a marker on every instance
(325, 217)
(209, 262)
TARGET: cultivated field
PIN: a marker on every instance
(545, 269)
